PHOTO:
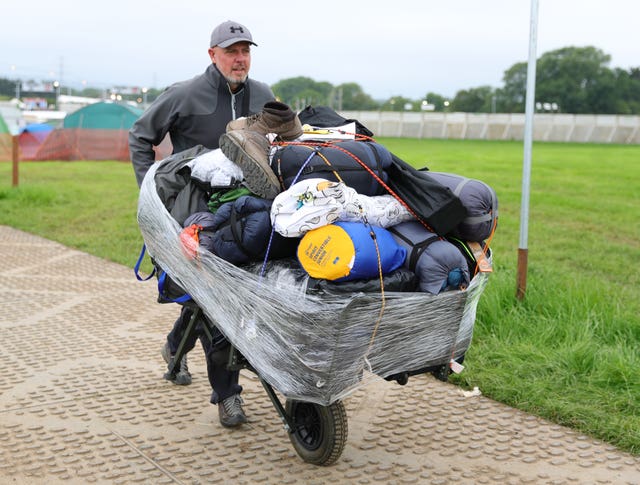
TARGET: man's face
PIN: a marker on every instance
(233, 61)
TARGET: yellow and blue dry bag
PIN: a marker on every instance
(345, 251)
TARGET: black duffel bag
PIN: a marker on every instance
(336, 161)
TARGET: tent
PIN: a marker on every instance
(31, 137)
(103, 116)
(98, 131)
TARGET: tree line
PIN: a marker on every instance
(568, 80)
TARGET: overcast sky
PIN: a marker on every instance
(390, 48)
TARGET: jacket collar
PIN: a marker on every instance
(215, 78)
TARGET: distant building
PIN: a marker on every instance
(69, 104)
(34, 103)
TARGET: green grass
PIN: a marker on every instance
(90, 206)
(567, 352)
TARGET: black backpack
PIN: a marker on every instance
(325, 117)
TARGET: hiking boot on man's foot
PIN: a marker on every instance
(230, 411)
(275, 117)
(250, 151)
(182, 377)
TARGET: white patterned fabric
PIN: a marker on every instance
(313, 203)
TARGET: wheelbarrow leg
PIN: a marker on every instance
(237, 361)
(289, 425)
(173, 366)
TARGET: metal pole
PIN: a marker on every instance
(526, 165)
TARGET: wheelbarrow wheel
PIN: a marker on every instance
(320, 432)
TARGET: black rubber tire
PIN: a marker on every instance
(320, 432)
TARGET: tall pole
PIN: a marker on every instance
(523, 251)
(61, 71)
(56, 85)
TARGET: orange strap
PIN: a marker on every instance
(483, 264)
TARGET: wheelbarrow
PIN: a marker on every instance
(314, 350)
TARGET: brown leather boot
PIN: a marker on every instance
(275, 117)
(250, 151)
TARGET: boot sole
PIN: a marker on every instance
(233, 422)
(181, 379)
(258, 176)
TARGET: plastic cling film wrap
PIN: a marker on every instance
(316, 348)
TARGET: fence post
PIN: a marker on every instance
(15, 156)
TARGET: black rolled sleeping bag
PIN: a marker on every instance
(401, 279)
(289, 159)
(438, 264)
(239, 231)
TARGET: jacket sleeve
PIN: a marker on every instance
(148, 131)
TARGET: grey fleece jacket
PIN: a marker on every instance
(192, 112)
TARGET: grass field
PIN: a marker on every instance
(569, 351)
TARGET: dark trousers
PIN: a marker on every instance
(224, 382)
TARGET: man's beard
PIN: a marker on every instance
(234, 80)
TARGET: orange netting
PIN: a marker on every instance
(79, 144)
(5, 146)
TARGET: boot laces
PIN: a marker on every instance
(254, 118)
(183, 364)
(233, 405)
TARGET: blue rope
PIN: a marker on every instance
(295, 179)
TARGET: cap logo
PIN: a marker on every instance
(234, 29)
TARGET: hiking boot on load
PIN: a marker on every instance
(275, 117)
(230, 412)
(250, 151)
(183, 376)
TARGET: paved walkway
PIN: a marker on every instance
(82, 400)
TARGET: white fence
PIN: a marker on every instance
(498, 126)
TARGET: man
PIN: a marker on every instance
(196, 112)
